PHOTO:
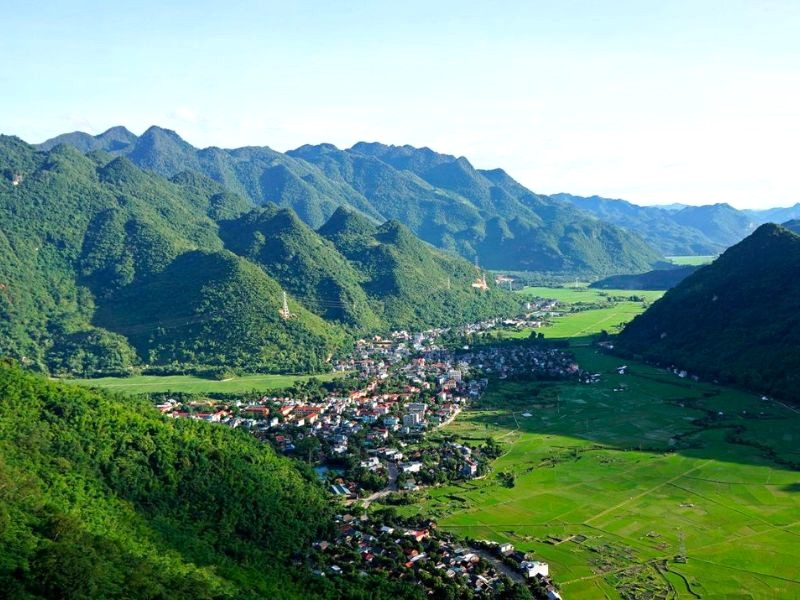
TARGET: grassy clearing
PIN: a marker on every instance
(691, 260)
(616, 480)
(192, 384)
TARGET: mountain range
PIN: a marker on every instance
(679, 231)
(482, 215)
(105, 266)
(735, 320)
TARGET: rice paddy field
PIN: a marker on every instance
(643, 485)
(691, 260)
(192, 384)
(607, 311)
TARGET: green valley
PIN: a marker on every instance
(643, 484)
(400, 300)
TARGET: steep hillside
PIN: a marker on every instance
(258, 173)
(411, 282)
(735, 320)
(101, 270)
(104, 498)
(214, 308)
(305, 264)
(442, 199)
(657, 226)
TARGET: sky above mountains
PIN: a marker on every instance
(655, 102)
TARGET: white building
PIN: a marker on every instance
(532, 568)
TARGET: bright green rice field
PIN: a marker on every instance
(615, 481)
(691, 260)
(192, 384)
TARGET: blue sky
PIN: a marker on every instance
(656, 102)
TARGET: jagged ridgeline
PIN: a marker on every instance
(103, 497)
(104, 266)
(442, 199)
(735, 320)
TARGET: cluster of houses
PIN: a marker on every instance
(409, 386)
(513, 361)
(521, 562)
(422, 554)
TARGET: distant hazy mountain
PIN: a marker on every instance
(104, 266)
(441, 198)
(675, 229)
(719, 222)
(775, 215)
(793, 225)
(657, 226)
(735, 320)
(672, 206)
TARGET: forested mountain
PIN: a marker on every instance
(682, 230)
(104, 266)
(719, 222)
(103, 497)
(735, 320)
(484, 214)
(413, 284)
(658, 279)
(440, 198)
(258, 173)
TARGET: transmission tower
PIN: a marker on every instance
(284, 312)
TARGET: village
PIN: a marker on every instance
(421, 553)
(366, 436)
(366, 439)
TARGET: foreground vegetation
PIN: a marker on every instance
(644, 484)
(102, 497)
